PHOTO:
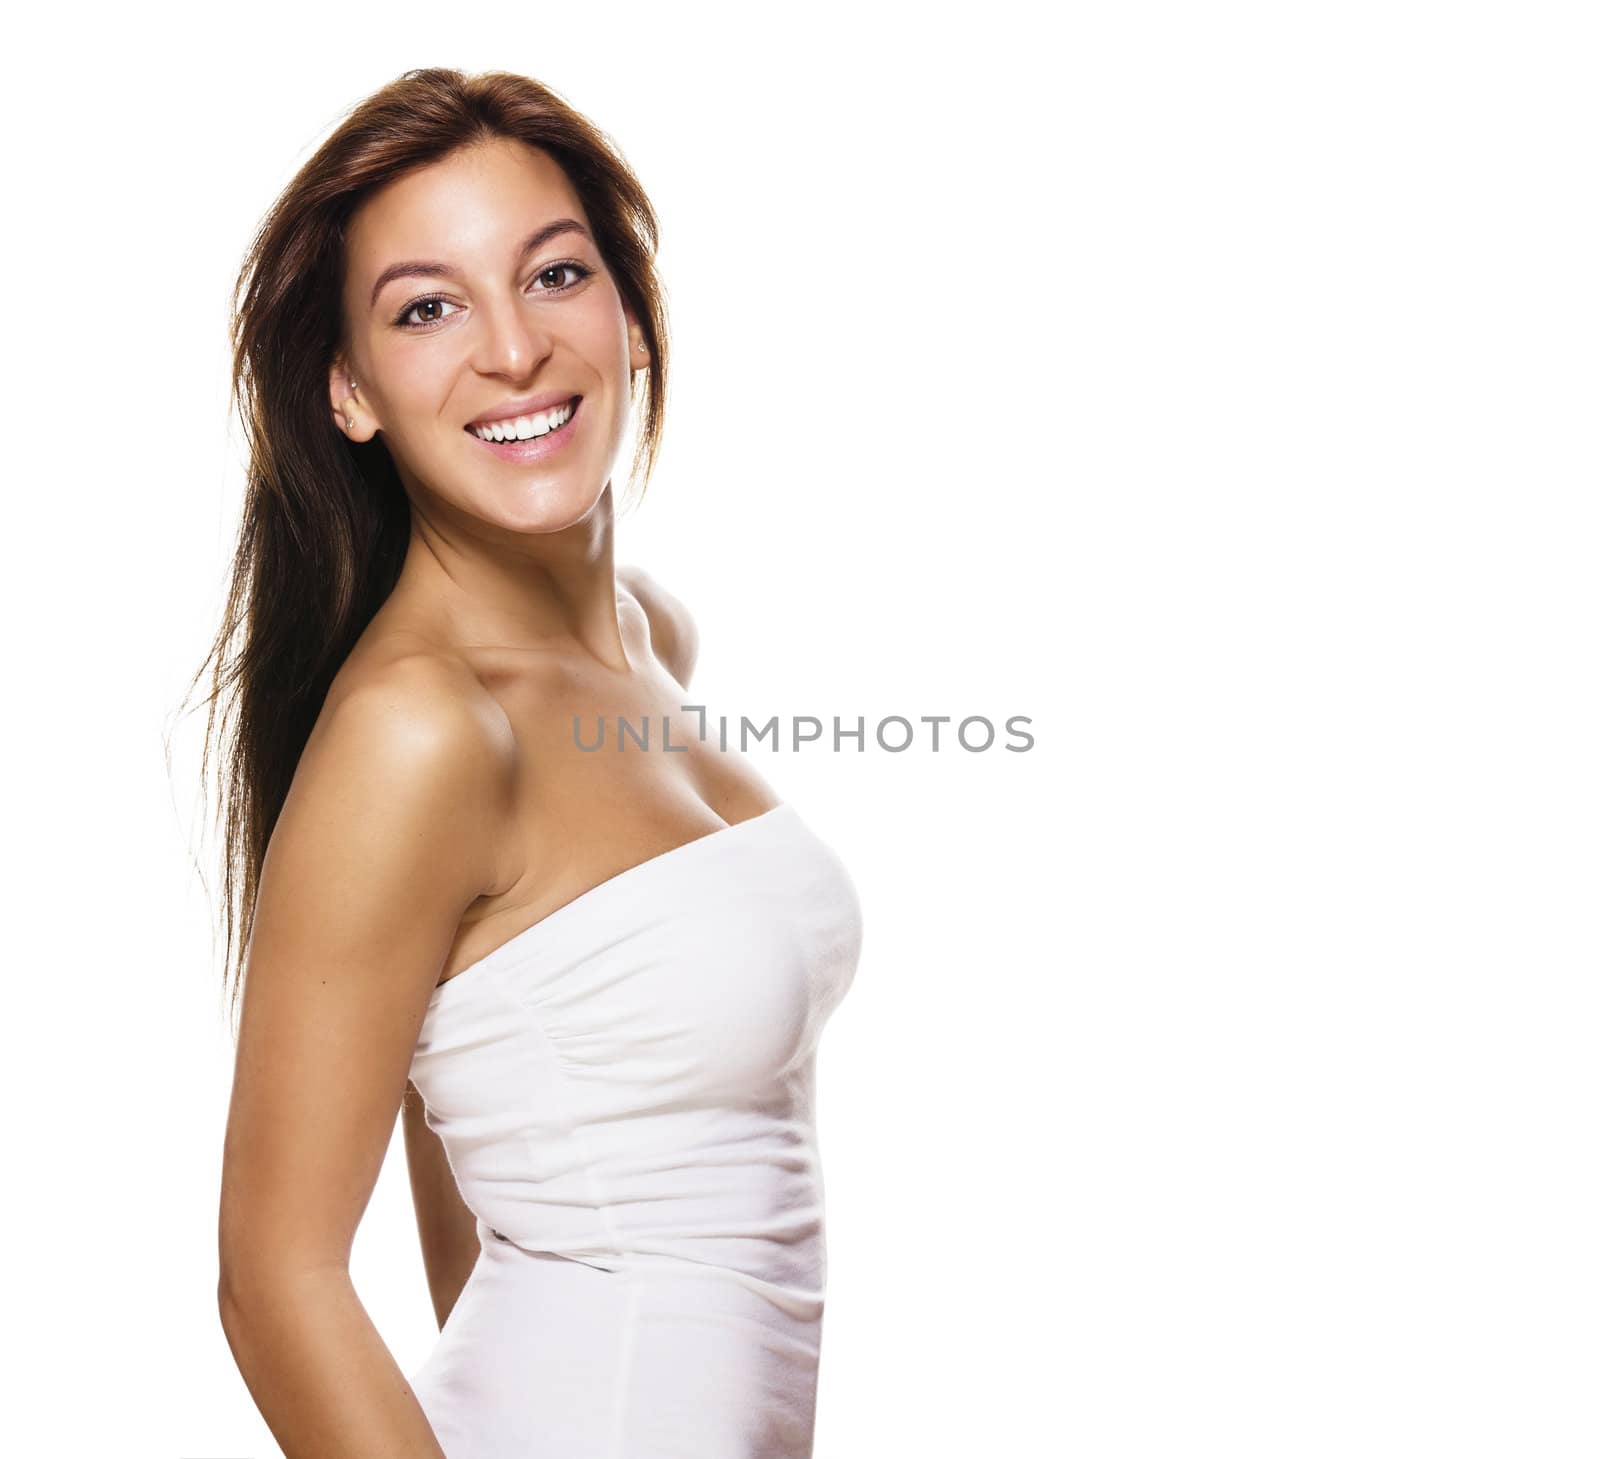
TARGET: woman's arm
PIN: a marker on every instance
(389, 832)
(447, 1229)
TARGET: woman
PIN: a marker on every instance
(590, 983)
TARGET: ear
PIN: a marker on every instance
(638, 345)
(344, 395)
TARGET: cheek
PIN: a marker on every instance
(598, 328)
(418, 379)
(417, 389)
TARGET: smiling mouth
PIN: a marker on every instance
(526, 427)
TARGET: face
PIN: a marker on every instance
(467, 301)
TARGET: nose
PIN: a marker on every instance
(511, 342)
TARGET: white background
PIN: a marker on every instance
(1213, 384)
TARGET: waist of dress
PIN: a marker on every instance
(793, 1292)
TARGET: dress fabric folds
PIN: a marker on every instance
(625, 1092)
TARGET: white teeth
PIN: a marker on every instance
(525, 427)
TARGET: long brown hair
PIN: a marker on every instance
(325, 522)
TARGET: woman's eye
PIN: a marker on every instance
(428, 303)
(561, 268)
(407, 317)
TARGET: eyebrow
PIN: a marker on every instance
(427, 268)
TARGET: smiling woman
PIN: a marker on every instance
(592, 993)
(505, 305)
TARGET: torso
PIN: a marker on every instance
(579, 818)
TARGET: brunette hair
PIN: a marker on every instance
(325, 522)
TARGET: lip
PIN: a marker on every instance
(536, 448)
(523, 405)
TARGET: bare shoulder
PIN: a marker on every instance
(407, 700)
(673, 634)
(391, 829)
(413, 754)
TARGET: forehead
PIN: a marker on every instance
(469, 206)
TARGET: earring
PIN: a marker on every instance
(639, 346)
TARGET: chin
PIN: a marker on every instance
(548, 507)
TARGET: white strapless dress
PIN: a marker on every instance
(625, 1093)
